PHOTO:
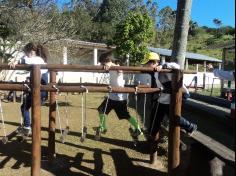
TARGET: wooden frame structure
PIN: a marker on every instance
(175, 110)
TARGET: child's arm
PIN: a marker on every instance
(171, 65)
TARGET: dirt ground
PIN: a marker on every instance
(113, 155)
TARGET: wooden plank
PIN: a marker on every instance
(221, 151)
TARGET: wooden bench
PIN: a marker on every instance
(222, 152)
(208, 156)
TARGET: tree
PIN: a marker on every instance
(41, 21)
(192, 28)
(133, 35)
(218, 24)
(165, 26)
(181, 31)
(178, 55)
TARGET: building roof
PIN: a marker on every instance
(84, 44)
(190, 56)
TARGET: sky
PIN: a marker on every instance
(204, 11)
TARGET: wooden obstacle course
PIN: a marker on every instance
(36, 116)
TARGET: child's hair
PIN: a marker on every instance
(29, 47)
(40, 50)
(117, 62)
(105, 57)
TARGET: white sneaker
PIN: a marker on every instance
(26, 131)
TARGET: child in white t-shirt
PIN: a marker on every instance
(115, 101)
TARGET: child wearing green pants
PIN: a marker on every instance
(115, 101)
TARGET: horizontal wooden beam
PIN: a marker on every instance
(87, 68)
(105, 89)
(220, 150)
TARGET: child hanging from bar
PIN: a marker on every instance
(161, 102)
(33, 54)
(116, 101)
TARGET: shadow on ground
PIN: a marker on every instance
(67, 165)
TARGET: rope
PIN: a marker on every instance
(108, 96)
(57, 109)
(22, 101)
(66, 111)
(84, 114)
(2, 118)
(155, 114)
(136, 103)
(144, 109)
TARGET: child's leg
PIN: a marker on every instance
(187, 126)
(25, 112)
(102, 124)
(104, 109)
(133, 121)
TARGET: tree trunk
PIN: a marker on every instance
(181, 31)
(178, 54)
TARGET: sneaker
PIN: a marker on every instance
(163, 140)
(103, 130)
(193, 129)
(19, 129)
(136, 133)
(26, 131)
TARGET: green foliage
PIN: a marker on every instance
(133, 35)
(131, 25)
(5, 31)
(166, 18)
(165, 26)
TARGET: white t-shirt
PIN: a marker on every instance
(117, 80)
(34, 61)
(166, 97)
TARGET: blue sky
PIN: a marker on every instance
(204, 11)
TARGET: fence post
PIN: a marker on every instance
(174, 129)
(52, 120)
(36, 121)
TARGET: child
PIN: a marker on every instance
(32, 56)
(116, 101)
(161, 104)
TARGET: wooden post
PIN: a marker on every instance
(163, 59)
(205, 66)
(174, 129)
(186, 64)
(178, 54)
(95, 56)
(204, 75)
(223, 65)
(204, 81)
(52, 120)
(36, 121)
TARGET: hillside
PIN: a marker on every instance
(199, 43)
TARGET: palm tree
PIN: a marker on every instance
(218, 24)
